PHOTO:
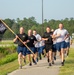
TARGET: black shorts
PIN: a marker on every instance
(48, 47)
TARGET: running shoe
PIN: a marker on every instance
(50, 64)
(30, 64)
(20, 67)
(54, 57)
(62, 63)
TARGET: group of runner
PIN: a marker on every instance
(49, 43)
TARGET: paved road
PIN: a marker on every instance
(41, 68)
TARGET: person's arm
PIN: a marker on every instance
(38, 38)
(35, 40)
(44, 37)
(14, 40)
(27, 40)
(67, 35)
(55, 35)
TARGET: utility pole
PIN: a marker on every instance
(42, 31)
(42, 13)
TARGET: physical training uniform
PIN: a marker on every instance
(30, 44)
(60, 41)
(49, 42)
(21, 47)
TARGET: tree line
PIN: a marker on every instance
(31, 23)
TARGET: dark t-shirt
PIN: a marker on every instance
(23, 37)
(48, 35)
(31, 40)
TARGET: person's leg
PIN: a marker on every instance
(24, 54)
(67, 51)
(62, 56)
(30, 62)
(43, 49)
(50, 57)
(40, 53)
(20, 60)
(47, 54)
(24, 57)
(19, 50)
(54, 55)
(36, 53)
(55, 51)
(62, 52)
(33, 55)
(68, 48)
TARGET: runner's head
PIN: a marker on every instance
(29, 32)
(48, 29)
(21, 30)
(52, 30)
(34, 32)
(60, 26)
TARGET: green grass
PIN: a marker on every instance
(9, 67)
(6, 42)
(68, 69)
(8, 58)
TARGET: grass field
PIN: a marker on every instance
(8, 57)
(9, 67)
(68, 69)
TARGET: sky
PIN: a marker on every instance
(53, 9)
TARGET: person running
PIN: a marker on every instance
(68, 42)
(21, 49)
(48, 44)
(30, 44)
(38, 45)
(61, 34)
(53, 48)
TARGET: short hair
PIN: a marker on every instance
(34, 30)
(22, 27)
(48, 27)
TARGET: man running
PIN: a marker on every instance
(48, 44)
(60, 35)
(53, 48)
(21, 49)
(31, 42)
(68, 42)
(38, 45)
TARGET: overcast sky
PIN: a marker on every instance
(53, 9)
